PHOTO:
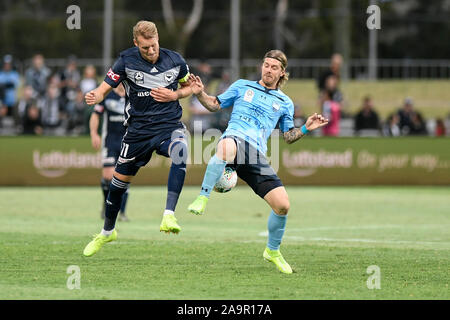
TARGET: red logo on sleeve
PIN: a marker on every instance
(114, 77)
(98, 108)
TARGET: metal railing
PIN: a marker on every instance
(304, 68)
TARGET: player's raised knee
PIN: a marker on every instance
(226, 150)
(178, 151)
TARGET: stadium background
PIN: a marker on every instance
(407, 226)
(397, 67)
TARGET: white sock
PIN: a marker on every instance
(107, 233)
(169, 212)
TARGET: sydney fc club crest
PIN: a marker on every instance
(139, 78)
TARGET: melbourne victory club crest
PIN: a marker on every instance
(169, 77)
(139, 78)
(275, 106)
(248, 96)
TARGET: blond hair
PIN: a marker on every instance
(280, 56)
(146, 29)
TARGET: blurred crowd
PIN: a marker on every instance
(51, 102)
(406, 121)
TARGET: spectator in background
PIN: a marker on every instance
(418, 125)
(69, 81)
(204, 71)
(25, 101)
(411, 121)
(440, 130)
(221, 118)
(392, 126)
(333, 71)
(9, 83)
(37, 75)
(89, 81)
(77, 119)
(31, 121)
(331, 109)
(51, 109)
(201, 119)
(224, 83)
(367, 118)
(299, 119)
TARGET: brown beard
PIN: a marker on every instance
(269, 84)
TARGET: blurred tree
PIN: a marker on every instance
(182, 34)
(409, 29)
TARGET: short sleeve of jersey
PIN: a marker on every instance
(228, 98)
(287, 119)
(183, 76)
(116, 73)
(99, 108)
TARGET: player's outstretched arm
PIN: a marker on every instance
(98, 94)
(209, 102)
(312, 123)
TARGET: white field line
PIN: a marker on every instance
(306, 239)
(373, 227)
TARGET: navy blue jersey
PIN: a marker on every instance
(143, 115)
(112, 109)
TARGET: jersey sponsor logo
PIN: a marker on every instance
(113, 76)
(249, 94)
(143, 94)
(139, 77)
(275, 106)
(117, 118)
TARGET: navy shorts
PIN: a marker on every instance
(253, 167)
(135, 154)
(110, 152)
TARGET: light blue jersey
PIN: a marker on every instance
(256, 112)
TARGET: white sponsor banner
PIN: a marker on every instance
(54, 164)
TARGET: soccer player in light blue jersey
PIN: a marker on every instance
(257, 108)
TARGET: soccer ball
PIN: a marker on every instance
(227, 181)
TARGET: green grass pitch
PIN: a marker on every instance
(333, 235)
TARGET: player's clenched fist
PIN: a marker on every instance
(92, 97)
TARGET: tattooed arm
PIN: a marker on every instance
(315, 121)
(293, 135)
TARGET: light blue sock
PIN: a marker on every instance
(276, 226)
(213, 172)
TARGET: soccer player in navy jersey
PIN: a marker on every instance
(257, 108)
(151, 76)
(111, 111)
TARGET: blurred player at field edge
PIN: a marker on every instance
(112, 110)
